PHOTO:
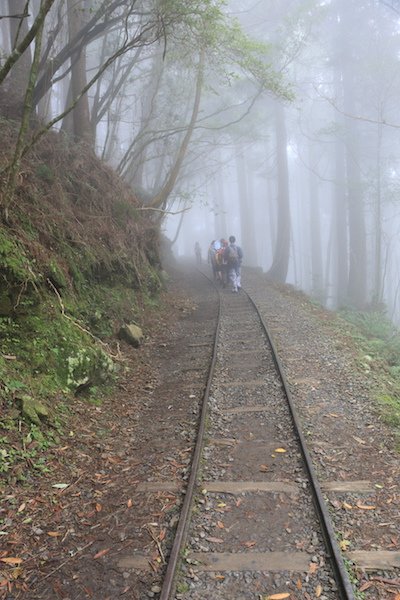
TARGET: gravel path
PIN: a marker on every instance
(345, 436)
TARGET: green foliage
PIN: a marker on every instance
(56, 274)
(14, 263)
(391, 406)
(28, 447)
(353, 579)
(122, 212)
(372, 324)
(377, 334)
(379, 343)
(45, 173)
(230, 52)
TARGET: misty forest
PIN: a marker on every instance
(274, 121)
(136, 391)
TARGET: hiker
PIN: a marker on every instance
(220, 262)
(224, 264)
(233, 255)
(211, 257)
(197, 251)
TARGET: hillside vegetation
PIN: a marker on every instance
(78, 259)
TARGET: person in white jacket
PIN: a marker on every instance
(234, 255)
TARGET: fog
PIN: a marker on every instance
(309, 185)
(276, 121)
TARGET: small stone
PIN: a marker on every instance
(132, 334)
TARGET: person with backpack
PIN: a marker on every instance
(234, 255)
(219, 262)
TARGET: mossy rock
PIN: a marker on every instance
(33, 410)
(87, 367)
(132, 334)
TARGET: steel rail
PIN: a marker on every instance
(342, 580)
(169, 583)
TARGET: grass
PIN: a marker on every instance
(377, 344)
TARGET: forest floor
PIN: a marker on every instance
(72, 534)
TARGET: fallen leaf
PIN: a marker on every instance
(344, 544)
(220, 525)
(366, 586)
(54, 533)
(264, 468)
(101, 553)
(215, 540)
(17, 572)
(347, 506)
(98, 507)
(358, 440)
(220, 577)
(365, 506)
(250, 544)
(60, 486)
(22, 507)
(221, 505)
(299, 585)
(278, 596)
(312, 568)
(10, 560)
(162, 535)
(129, 503)
(318, 590)
(280, 450)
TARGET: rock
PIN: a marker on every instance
(86, 367)
(33, 410)
(132, 334)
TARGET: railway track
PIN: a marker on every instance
(254, 532)
(253, 522)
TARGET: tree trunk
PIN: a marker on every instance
(315, 231)
(18, 31)
(357, 286)
(378, 292)
(24, 127)
(220, 224)
(246, 208)
(340, 246)
(160, 199)
(81, 114)
(280, 264)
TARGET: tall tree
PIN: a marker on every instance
(280, 263)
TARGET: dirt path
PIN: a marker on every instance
(71, 542)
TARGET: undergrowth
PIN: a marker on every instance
(378, 341)
(78, 259)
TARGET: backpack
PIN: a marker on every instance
(219, 256)
(232, 255)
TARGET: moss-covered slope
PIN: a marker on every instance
(78, 258)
